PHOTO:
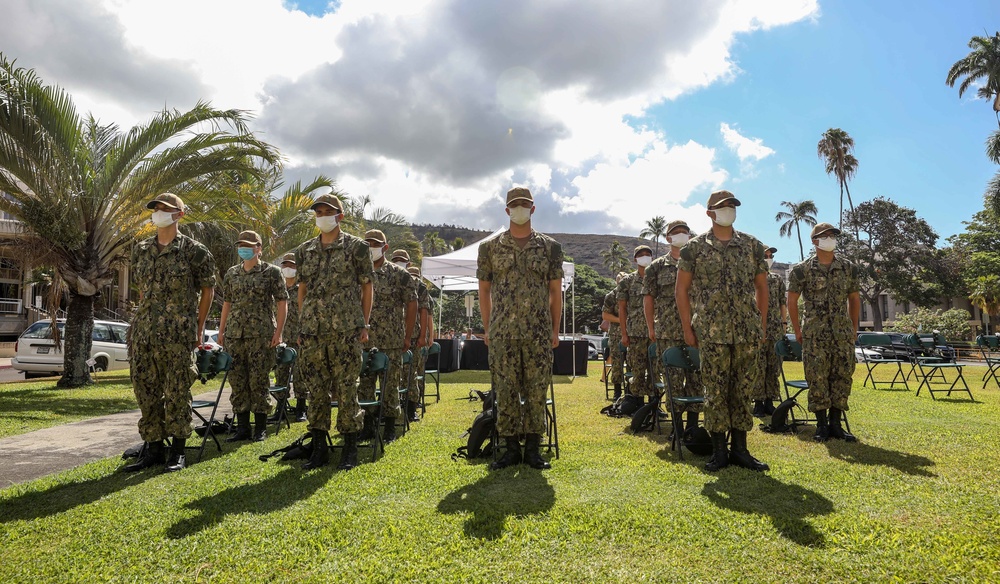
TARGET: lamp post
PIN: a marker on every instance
(470, 305)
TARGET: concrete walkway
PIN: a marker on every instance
(26, 457)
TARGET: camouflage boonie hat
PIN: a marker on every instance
(719, 197)
(821, 228)
(400, 254)
(640, 249)
(518, 194)
(675, 224)
(328, 200)
(249, 238)
(288, 258)
(169, 199)
(375, 235)
(414, 270)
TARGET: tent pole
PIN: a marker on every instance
(572, 287)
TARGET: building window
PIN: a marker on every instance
(885, 306)
(906, 308)
(864, 310)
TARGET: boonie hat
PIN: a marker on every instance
(169, 199)
(375, 235)
(288, 258)
(821, 228)
(400, 254)
(719, 197)
(675, 224)
(771, 249)
(414, 270)
(249, 238)
(642, 248)
(519, 193)
(328, 200)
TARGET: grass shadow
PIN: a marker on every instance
(514, 492)
(61, 402)
(273, 494)
(861, 453)
(786, 505)
(61, 498)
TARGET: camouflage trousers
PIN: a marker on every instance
(683, 383)
(161, 378)
(637, 359)
(768, 387)
(283, 376)
(414, 385)
(617, 363)
(249, 376)
(327, 370)
(390, 393)
(728, 372)
(521, 372)
(829, 367)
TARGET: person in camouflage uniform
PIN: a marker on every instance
(423, 337)
(609, 313)
(767, 389)
(663, 323)
(394, 309)
(722, 301)
(283, 371)
(629, 293)
(335, 302)
(252, 291)
(520, 297)
(175, 278)
(829, 288)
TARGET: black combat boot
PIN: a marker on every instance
(320, 451)
(369, 429)
(349, 455)
(152, 455)
(836, 430)
(769, 406)
(389, 431)
(822, 428)
(720, 454)
(532, 456)
(618, 392)
(300, 410)
(242, 428)
(740, 456)
(759, 409)
(176, 460)
(411, 410)
(259, 427)
(511, 455)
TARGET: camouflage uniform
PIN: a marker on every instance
(164, 331)
(520, 331)
(283, 372)
(827, 329)
(330, 352)
(727, 323)
(249, 328)
(392, 289)
(770, 362)
(659, 283)
(614, 338)
(419, 360)
(630, 290)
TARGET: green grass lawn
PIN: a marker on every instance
(915, 500)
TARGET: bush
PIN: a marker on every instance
(953, 323)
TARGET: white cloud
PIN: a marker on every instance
(744, 147)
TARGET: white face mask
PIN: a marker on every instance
(163, 218)
(376, 253)
(826, 243)
(644, 260)
(288, 272)
(327, 224)
(770, 262)
(520, 215)
(679, 239)
(400, 264)
(725, 216)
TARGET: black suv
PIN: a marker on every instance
(899, 349)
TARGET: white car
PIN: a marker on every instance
(860, 354)
(36, 355)
(211, 340)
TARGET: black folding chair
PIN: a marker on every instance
(871, 342)
(989, 345)
(284, 355)
(210, 364)
(686, 359)
(930, 367)
(792, 350)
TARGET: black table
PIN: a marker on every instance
(476, 355)
(447, 360)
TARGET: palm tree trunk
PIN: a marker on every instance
(802, 253)
(78, 340)
(857, 231)
(841, 226)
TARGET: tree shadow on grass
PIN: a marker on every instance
(861, 453)
(273, 494)
(61, 498)
(786, 505)
(497, 496)
(22, 403)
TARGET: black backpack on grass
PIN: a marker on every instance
(301, 449)
(480, 443)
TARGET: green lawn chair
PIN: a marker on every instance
(989, 345)
(426, 352)
(930, 367)
(284, 355)
(790, 350)
(210, 364)
(687, 359)
(874, 341)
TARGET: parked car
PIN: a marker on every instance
(591, 349)
(211, 339)
(36, 355)
(866, 354)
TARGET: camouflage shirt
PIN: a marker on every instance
(392, 289)
(777, 297)
(630, 290)
(611, 305)
(660, 282)
(333, 275)
(291, 332)
(423, 303)
(252, 296)
(825, 292)
(520, 285)
(723, 298)
(170, 282)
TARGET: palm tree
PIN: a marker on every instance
(433, 244)
(80, 187)
(804, 211)
(980, 65)
(985, 295)
(836, 149)
(655, 229)
(615, 258)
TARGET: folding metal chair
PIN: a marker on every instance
(434, 349)
(373, 362)
(608, 386)
(880, 340)
(792, 350)
(404, 391)
(551, 427)
(686, 359)
(931, 366)
(210, 364)
(284, 355)
(989, 345)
